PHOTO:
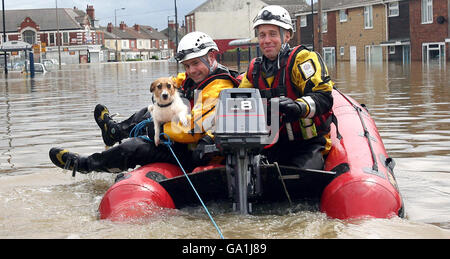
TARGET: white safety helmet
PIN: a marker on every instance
(193, 45)
(275, 15)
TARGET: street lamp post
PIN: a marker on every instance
(57, 35)
(115, 26)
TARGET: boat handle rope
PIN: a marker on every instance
(135, 133)
(366, 132)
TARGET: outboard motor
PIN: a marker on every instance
(241, 132)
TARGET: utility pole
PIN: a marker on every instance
(312, 23)
(4, 37)
(319, 17)
(57, 35)
(176, 30)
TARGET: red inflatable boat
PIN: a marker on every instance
(357, 180)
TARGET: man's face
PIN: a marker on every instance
(270, 41)
(196, 69)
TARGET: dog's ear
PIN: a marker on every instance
(152, 87)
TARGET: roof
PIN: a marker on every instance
(69, 19)
(331, 5)
(292, 6)
(145, 32)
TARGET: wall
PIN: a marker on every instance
(427, 33)
(353, 33)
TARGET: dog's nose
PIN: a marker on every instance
(165, 96)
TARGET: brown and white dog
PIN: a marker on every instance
(167, 105)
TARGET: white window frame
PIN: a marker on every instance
(343, 15)
(65, 37)
(341, 51)
(54, 38)
(303, 21)
(324, 22)
(394, 9)
(427, 11)
(391, 49)
(329, 52)
(368, 17)
(34, 39)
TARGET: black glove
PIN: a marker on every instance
(291, 109)
(199, 156)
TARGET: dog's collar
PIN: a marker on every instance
(164, 105)
(161, 105)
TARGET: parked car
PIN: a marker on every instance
(50, 63)
(40, 68)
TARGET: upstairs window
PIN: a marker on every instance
(342, 15)
(427, 11)
(368, 17)
(393, 9)
(324, 22)
(303, 22)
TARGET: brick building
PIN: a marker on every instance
(79, 39)
(429, 29)
(379, 30)
(138, 42)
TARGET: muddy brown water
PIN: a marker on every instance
(410, 105)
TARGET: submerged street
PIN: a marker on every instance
(409, 104)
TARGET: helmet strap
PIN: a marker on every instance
(204, 59)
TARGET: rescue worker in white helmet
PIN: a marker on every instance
(299, 78)
(203, 76)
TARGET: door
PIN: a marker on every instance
(406, 54)
(353, 54)
(329, 55)
(433, 53)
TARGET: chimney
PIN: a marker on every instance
(122, 25)
(137, 27)
(90, 11)
(109, 27)
(172, 24)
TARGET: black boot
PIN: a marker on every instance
(68, 160)
(111, 131)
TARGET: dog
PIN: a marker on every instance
(167, 105)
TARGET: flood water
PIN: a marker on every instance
(410, 105)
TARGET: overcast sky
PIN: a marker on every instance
(146, 12)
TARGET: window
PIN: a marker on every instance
(65, 37)
(368, 17)
(303, 22)
(324, 22)
(341, 51)
(29, 36)
(329, 56)
(427, 11)
(294, 25)
(342, 15)
(51, 38)
(393, 9)
(391, 49)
